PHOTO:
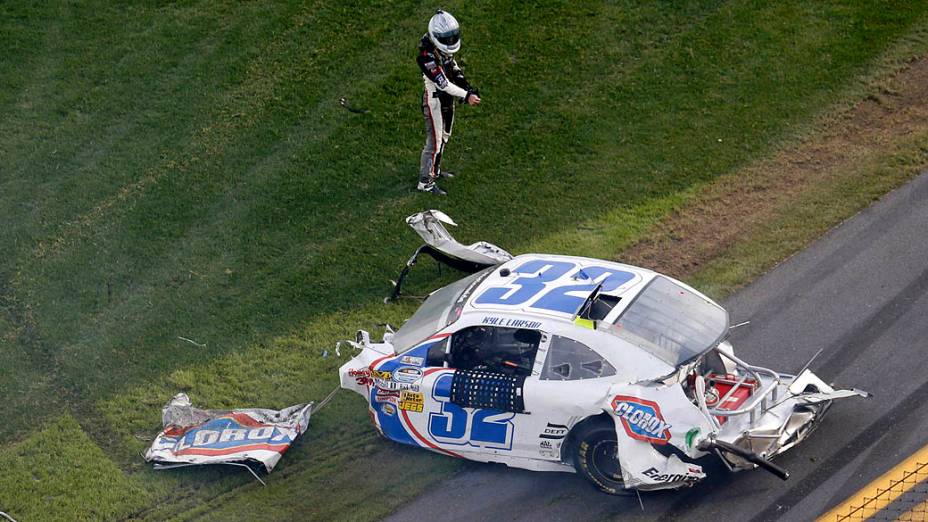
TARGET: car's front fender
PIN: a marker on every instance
(355, 375)
(649, 415)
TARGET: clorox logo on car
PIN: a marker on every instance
(641, 419)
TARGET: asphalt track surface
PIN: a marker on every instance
(861, 293)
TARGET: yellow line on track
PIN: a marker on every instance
(882, 491)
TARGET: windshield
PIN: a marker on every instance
(432, 316)
(672, 322)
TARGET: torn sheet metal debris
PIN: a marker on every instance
(440, 245)
(195, 436)
(429, 226)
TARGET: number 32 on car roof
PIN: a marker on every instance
(536, 286)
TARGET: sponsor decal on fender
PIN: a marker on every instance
(412, 360)
(362, 376)
(412, 401)
(554, 431)
(387, 396)
(641, 419)
(657, 476)
(548, 449)
(383, 379)
(396, 386)
(377, 374)
(407, 374)
(389, 409)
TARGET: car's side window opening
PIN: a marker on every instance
(436, 354)
(505, 350)
(570, 360)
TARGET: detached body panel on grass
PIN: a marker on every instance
(564, 363)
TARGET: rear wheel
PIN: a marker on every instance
(596, 456)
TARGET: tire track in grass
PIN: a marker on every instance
(243, 109)
(59, 474)
(98, 135)
(319, 125)
(71, 121)
(284, 372)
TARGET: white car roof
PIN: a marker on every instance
(550, 304)
(573, 285)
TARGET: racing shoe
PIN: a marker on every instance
(432, 188)
(446, 174)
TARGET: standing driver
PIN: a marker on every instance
(444, 81)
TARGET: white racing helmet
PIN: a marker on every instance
(445, 32)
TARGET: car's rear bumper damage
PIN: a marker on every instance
(779, 413)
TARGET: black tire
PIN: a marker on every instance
(594, 455)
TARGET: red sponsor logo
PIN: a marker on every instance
(362, 376)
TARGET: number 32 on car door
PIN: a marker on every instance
(454, 425)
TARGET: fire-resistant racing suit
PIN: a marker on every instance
(444, 81)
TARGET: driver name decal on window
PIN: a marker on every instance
(641, 419)
(512, 323)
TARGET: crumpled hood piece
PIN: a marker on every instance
(429, 226)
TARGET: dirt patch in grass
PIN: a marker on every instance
(736, 204)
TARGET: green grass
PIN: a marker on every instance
(806, 218)
(58, 473)
(184, 169)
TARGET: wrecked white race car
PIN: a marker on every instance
(561, 363)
